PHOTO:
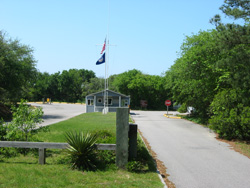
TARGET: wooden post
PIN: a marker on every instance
(42, 156)
(122, 128)
(132, 148)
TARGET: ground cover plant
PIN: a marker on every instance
(24, 171)
(82, 150)
(24, 122)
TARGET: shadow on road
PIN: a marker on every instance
(46, 117)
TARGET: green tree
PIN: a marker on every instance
(24, 122)
(72, 82)
(122, 82)
(67, 86)
(237, 9)
(193, 78)
(93, 86)
(40, 87)
(111, 80)
(53, 91)
(142, 87)
(230, 108)
(213, 69)
(231, 118)
(17, 68)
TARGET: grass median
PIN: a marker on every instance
(24, 171)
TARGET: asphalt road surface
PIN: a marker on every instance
(56, 112)
(192, 155)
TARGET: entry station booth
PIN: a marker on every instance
(114, 100)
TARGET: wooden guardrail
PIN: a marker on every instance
(125, 147)
(42, 146)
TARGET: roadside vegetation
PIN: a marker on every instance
(212, 74)
(58, 169)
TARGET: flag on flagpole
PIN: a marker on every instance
(104, 46)
(101, 60)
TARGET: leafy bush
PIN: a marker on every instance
(82, 150)
(105, 159)
(230, 119)
(22, 128)
(135, 166)
(183, 108)
(5, 152)
(143, 162)
(24, 122)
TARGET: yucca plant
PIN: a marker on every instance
(82, 150)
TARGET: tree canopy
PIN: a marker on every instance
(17, 68)
(212, 73)
(142, 87)
(68, 86)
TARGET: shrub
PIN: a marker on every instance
(105, 159)
(82, 150)
(143, 162)
(135, 166)
(24, 122)
(183, 108)
(230, 119)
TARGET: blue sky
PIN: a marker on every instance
(147, 33)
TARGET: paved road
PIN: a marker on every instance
(192, 155)
(56, 112)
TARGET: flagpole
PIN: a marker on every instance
(104, 102)
(106, 73)
(105, 111)
(108, 40)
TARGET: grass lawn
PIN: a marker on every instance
(89, 122)
(33, 175)
(244, 148)
(24, 171)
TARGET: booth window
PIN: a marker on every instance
(99, 100)
(125, 102)
(109, 101)
(90, 102)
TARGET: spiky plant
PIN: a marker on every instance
(82, 149)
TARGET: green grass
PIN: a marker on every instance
(89, 122)
(24, 171)
(195, 119)
(34, 175)
(243, 147)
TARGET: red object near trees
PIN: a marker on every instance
(167, 102)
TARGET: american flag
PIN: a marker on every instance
(104, 45)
